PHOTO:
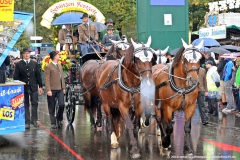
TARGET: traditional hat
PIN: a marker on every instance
(209, 62)
(52, 54)
(84, 15)
(110, 27)
(25, 50)
(109, 20)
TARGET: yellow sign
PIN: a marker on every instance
(6, 10)
(7, 114)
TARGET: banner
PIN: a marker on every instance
(9, 37)
(12, 112)
(219, 32)
(6, 10)
(168, 2)
(68, 6)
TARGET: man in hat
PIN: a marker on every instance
(28, 71)
(109, 36)
(55, 88)
(88, 35)
(208, 57)
(213, 82)
(109, 22)
(62, 35)
(34, 58)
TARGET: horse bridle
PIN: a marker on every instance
(117, 48)
(144, 49)
(194, 56)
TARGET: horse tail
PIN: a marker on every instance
(90, 104)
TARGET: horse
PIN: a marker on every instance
(119, 86)
(117, 50)
(88, 79)
(161, 56)
(176, 89)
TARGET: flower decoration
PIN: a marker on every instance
(93, 17)
(64, 60)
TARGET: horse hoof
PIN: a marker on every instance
(165, 149)
(158, 133)
(114, 145)
(135, 155)
(188, 153)
(93, 127)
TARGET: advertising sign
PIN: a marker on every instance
(219, 32)
(168, 2)
(12, 112)
(11, 31)
(6, 9)
(68, 6)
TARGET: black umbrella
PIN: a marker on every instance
(218, 50)
(231, 48)
(174, 52)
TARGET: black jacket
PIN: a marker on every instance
(29, 74)
(3, 69)
(220, 67)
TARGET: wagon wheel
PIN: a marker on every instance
(71, 105)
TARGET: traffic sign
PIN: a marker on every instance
(36, 44)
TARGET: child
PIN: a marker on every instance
(213, 82)
(109, 36)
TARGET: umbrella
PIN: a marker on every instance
(207, 42)
(68, 18)
(174, 52)
(231, 47)
(231, 55)
(99, 26)
(218, 50)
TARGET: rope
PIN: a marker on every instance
(99, 55)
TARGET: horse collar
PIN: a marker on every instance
(175, 88)
(121, 83)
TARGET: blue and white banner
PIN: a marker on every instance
(219, 32)
(12, 111)
(167, 2)
(24, 18)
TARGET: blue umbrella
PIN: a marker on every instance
(207, 42)
(73, 18)
(99, 26)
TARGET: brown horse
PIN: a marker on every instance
(119, 89)
(117, 50)
(176, 89)
(88, 80)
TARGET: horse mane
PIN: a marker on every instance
(177, 57)
(110, 51)
(128, 60)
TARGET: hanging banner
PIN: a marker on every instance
(6, 10)
(68, 6)
(11, 32)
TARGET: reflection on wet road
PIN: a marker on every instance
(219, 139)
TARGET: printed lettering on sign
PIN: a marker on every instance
(7, 114)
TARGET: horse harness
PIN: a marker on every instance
(175, 88)
(121, 84)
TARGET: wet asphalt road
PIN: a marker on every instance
(220, 139)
